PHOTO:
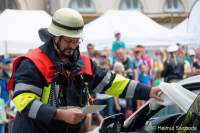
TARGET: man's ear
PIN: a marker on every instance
(55, 38)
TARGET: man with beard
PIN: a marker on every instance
(53, 81)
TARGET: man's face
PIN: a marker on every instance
(7, 67)
(192, 57)
(90, 49)
(68, 45)
(121, 55)
(138, 55)
(143, 68)
(118, 69)
(118, 36)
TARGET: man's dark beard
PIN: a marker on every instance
(67, 55)
(60, 52)
(72, 60)
(73, 57)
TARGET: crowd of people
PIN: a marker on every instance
(169, 65)
(7, 109)
(138, 65)
(148, 67)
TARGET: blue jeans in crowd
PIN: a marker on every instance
(108, 109)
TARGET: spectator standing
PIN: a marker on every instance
(129, 72)
(4, 94)
(118, 43)
(102, 99)
(143, 76)
(5, 67)
(3, 119)
(196, 64)
(145, 79)
(157, 67)
(173, 67)
(90, 50)
(192, 55)
(138, 61)
(144, 55)
(108, 54)
(5, 70)
(96, 57)
(119, 104)
(122, 57)
(183, 57)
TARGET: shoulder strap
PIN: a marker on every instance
(40, 60)
(88, 67)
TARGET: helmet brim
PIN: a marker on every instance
(44, 34)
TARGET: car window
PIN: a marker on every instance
(172, 109)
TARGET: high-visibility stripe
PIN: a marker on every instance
(27, 87)
(131, 89)
(105, 81)
(22, 100)
(45, 94)
(118, 86)
(34, 109)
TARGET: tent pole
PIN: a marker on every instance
(6, 48)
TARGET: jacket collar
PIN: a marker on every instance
(50, 51)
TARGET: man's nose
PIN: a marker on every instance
(71, 46)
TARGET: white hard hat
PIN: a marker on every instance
(67, 22)
(191, 52)
(172, 48)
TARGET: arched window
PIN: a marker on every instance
(173, 6)
(131, 5)
(85, 6)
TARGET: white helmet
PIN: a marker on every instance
(67, 22)
(172, 48)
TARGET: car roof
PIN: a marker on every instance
(190, 80)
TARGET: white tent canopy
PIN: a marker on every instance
(181, 27)
(19, 30)
(185, 37)
(136, 28)
(189, 29)
(191, 24)
(194, 19)
(133, 25)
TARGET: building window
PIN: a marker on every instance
(173, 6)
(84, 6)
(131, 5)
(7, 4)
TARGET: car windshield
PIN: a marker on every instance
(172, 109)
(168, 110)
